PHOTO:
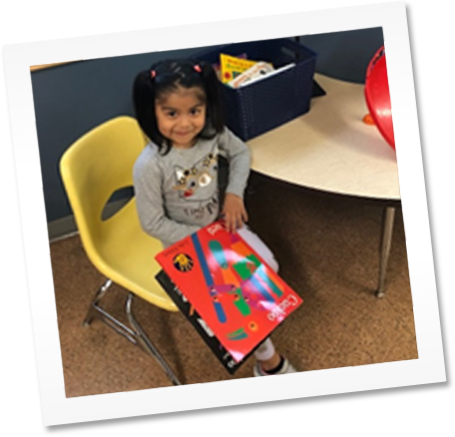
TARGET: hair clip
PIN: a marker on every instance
(153, 74)
(197, 67)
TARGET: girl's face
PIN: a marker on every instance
(180, 116)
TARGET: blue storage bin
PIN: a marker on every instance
(259, 107)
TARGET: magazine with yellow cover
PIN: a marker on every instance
(231, 66)
(217, 67)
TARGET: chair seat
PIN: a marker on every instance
(126, 254)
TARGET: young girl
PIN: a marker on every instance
(175, 178)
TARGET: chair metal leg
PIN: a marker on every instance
(92, 312)
(135, 334)
(145, 342)
(386, 241)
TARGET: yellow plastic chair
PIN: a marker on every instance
(93, 168)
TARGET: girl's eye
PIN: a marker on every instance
(195, 111)
(171, 114)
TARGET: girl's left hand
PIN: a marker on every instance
(234, 212)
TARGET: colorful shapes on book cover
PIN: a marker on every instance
(208, 279)
(218, 252)
(240, 334)
(239, 297)
(240, 302)
(183, 262)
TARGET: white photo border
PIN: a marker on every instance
(428, 368)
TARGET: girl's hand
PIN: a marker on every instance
(234, 212)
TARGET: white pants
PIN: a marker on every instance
(266, 350)
(259, 246)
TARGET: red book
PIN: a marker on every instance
(240, 298)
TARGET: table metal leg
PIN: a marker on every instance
(386, 241)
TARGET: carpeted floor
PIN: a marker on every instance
(328, 249)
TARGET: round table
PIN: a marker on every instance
(331, 149)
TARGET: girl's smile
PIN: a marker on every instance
(181, 116)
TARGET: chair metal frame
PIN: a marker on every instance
(134, 333)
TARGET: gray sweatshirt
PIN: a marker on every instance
(177, 194)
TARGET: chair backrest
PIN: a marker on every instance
(96, 166)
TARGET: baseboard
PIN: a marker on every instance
(61, 228)
(66, 226)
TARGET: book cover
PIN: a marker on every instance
(198, 323)
(217, 66)
(231, 66)
(240, 298)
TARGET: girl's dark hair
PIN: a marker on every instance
(167, 76)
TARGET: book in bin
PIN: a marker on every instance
(227, 292)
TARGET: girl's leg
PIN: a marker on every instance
(267, 356)
(260, 247)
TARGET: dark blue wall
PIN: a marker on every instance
(72, 99)
(345, 55)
